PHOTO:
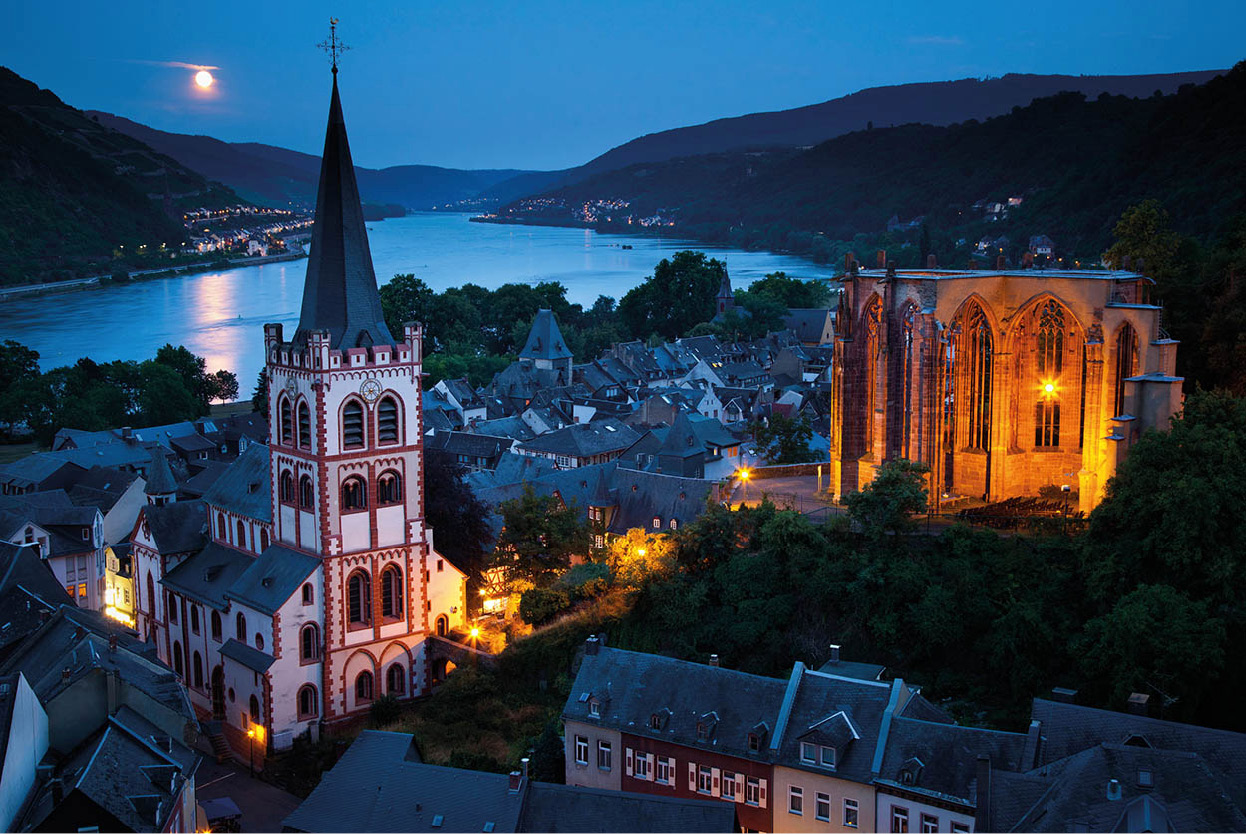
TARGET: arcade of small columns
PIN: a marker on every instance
(1001, 383)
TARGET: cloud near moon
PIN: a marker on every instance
(174, 64)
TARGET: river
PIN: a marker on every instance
(219, 315)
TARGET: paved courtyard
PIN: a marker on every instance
(798, 492)
(263, 806)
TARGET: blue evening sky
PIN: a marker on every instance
(550, 84)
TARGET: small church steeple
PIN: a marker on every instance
(726, 298)
(340, 294)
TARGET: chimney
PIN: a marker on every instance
(516, 779)
(834, 653)
(849, 260)
(714, 660)
(1114, 790)
(882, 258)
(1063, 696)
(524, 764)
(591, 646)
(1001, 262)
(982, 819)
(1138, 703)
(931, 261)
(127, 432)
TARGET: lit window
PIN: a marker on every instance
(851, 813)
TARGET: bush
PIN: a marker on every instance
(585, 581)
(540, 605)
(385, 710)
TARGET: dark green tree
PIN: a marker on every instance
(679, 295)
(459, 519)
(548, 757)
(259, 396)
(539, 536)
(887, 504)
(784, 439)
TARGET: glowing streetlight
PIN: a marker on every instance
(251, 736)
(475, 632)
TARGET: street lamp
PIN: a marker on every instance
(251, 736)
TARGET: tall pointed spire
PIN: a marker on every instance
(340, 293)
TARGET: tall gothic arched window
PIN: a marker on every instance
(359, 598)
(304, 426)
(216, 626)
(308, 704)
(286, 487)
(309, 643)
(908, 326)
(391, 592)
(240, 627)
(363, 687)
(1126, 353)
(387, 420)
(978, 353)
(352, 425)
(388, 488)
(287, 422)
(871, 324)
(396, 679)
(1049, 364)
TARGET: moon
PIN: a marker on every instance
(204, 79)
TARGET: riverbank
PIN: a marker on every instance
(96, 281)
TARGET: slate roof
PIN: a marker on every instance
(856, 669)
(545, 340)
(202, 481)
(179, 527)
(253, 659)
(272, 578)
(1187, 794)
(947, 757)
(380, 784)
(33, 471)
(245, 488)
(633, 686)
(101, 486)
(644, 495)
(511, 427)
(463, 391)
(583, 440)
(1069, 729)
(207, 575)
(809, 325)
(559, 808)
(340, 292)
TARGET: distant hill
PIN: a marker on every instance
(1076, 163)
(74, 190)
(276, 176)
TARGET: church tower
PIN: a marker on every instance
(347, 461)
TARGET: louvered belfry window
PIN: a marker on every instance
(387, 420)
(352, 426)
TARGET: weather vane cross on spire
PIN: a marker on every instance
(332, 45)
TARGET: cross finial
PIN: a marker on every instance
(332, 45)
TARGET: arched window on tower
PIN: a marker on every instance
(240, 627)
(309, 643)
(304, 426)
(363, 687)
(354, 494)
(391, 592)
(359, 599)
(387, 420)
(216, 626)
(352, 425)
(287, 422)
(388, 488)
(285, 488)
(1126, 353)
(396, 679)
(306, 495)
(309, 706)
(1049, 364)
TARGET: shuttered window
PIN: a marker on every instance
(387, 420)
(352, 425)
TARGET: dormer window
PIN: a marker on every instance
(594, 708)
(754, 743)
(655, 722)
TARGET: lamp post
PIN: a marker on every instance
(744, 484)
(251, 736)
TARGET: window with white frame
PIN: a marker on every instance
(594, 708)
(930, 824)
(643, 770)
(581, 750)
(664, 772)
(899, 820)
(795, 800)
(960, 828)
(822, 808)
(852, 813)
(808, 752)
(728, 785)
(705, 779)
(752, 791)
(603, 755)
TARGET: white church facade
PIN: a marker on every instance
(305, 584)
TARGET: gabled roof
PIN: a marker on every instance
(554, 808)
(632, 686)
(272, 578)
(585, 439)
(160, 479)
(681, 441)
(179, 527)
(207, 575)
(245, 488)
(340, 293)
(510, 427)
(545, 340)
(949, 757)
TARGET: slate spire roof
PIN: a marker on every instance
(160, 480)
(340, 293)
(545, 341)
